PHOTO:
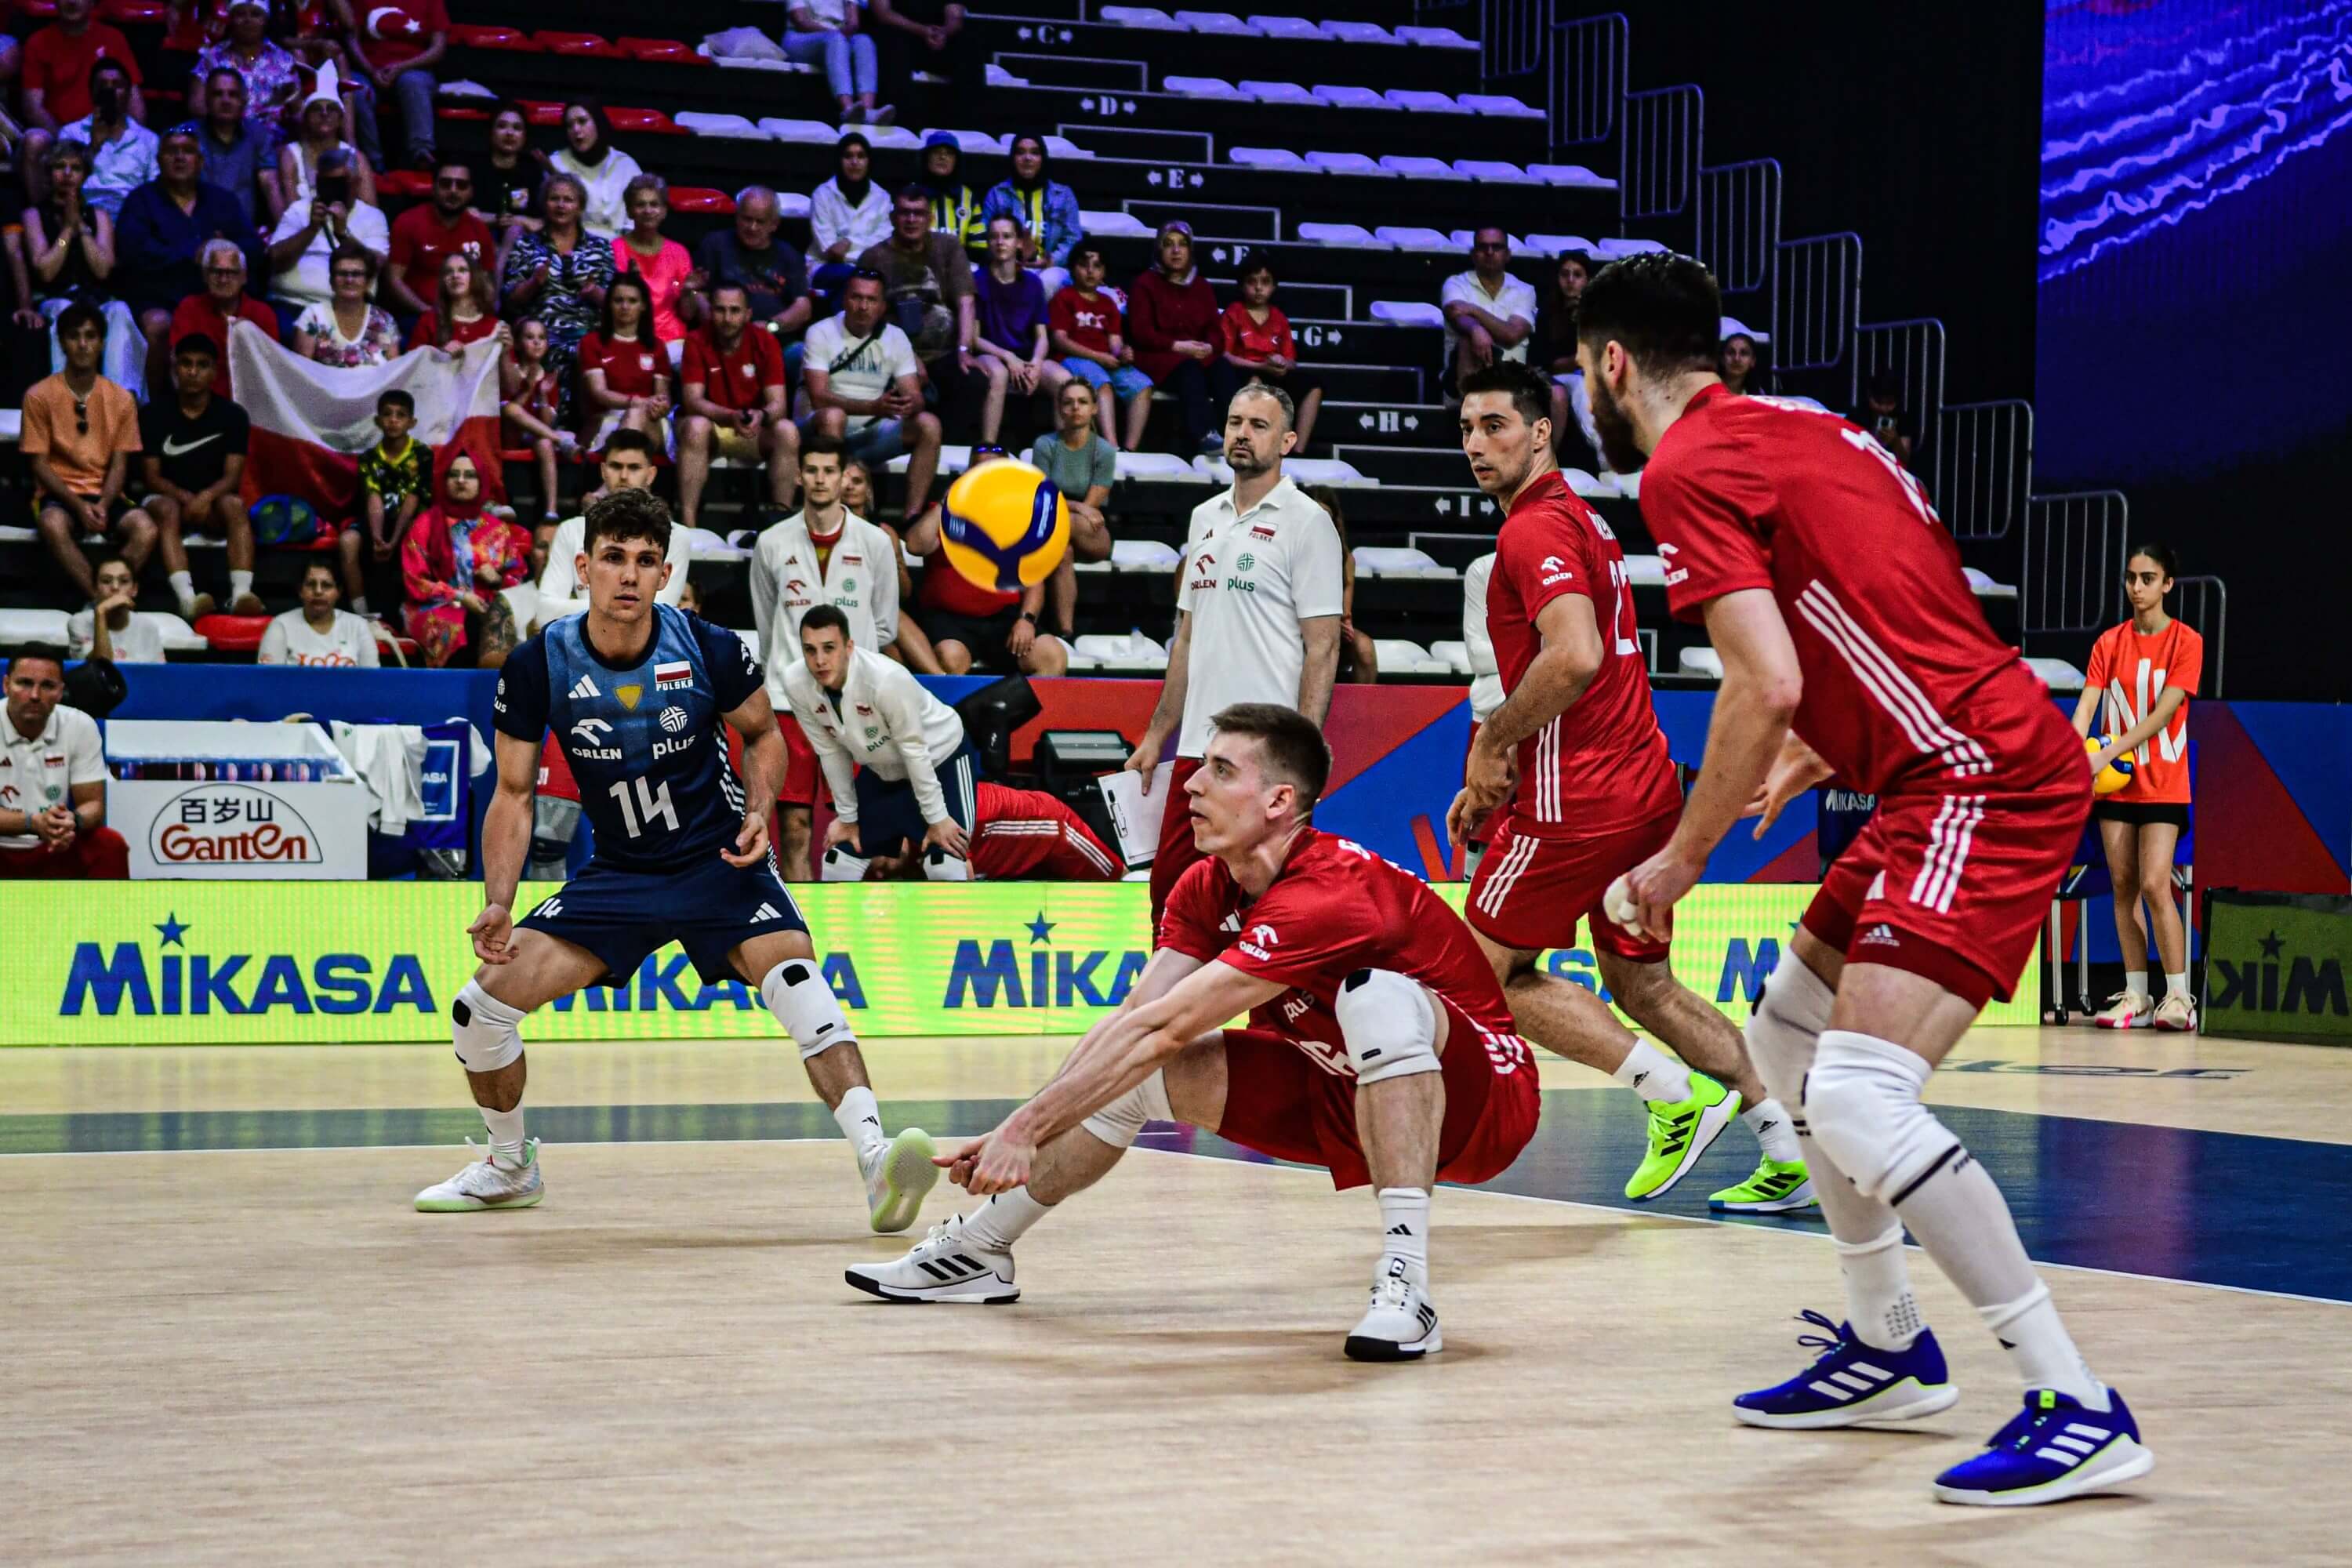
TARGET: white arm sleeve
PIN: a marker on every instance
(1474, 616)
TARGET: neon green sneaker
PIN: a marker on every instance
(1777, 1187)
(897, 1181)
(1680, 1131)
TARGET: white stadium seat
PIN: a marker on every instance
(1062, 147)
(1435, 38)
(32, 626)
(1463, 239)
(1554, 244)
(1399, 657)
(1409, 312)
(1268, 158)
(1104, 225)
(1347, 233)
(1412, 236)
(2055, 673)
(973, 142)
(1151, 465)
(1208, 86)
(1703, 661)
(1734, 324)
(1143, 555)
(1586, 484)
(1219, 24)
(1628, 484)
(1341, 95)
(1129, 650)
(800, 131)
(1329, 471)
(1984, 588)
(1454, 655)
(1397, 561)
(1412, 166)
(1286, 26)
(1357, 33)
(1646, 571)
(900, 136)
(1615, 249)
(1347, 163)
(792, 204)
(729, 125)
(1139, 16)
(1493, 169)
(177, 634)
(1573, 175)
(1280, 92)
(1421, 101)
(1498, 103)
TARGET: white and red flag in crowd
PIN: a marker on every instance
(311, 421)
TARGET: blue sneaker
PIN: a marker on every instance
(2051, 1450)
(1850, 1382)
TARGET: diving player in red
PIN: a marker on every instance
(1378, 1046)
(1596, 796)
(1025, 834)
(1851, 649)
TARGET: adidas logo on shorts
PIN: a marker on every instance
(1879, 936)
(764, 913)
(584, 688)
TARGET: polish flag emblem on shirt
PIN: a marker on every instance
(668, 676)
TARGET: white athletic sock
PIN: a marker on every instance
(2044, 1352)
(1775, 1134)
(1878, 1300)
(184, 588)
(2135, 984)
(1003, 1219)
(1653, 1075)
(1405, 1231)
(2177, 985)
(240, 584)
(506, 1134)
(860, 1120)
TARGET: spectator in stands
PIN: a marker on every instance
(1359, 655)
(121, 151)
(320, 131)
(1254, 344)
(1172, 322)
(79, 431)
(394, 478)
(1046, 209)
(1554, 353)
(464, 309)
(1083, 467)
(347, 332)
(57, 60)
(224, 306)
(866, 386)
(69, 245)
(1489, 314)
(109, 627)
(1086, 325)
(826, 32)
(624, 376)
(235, 151)
(319, 636)
(602, 169)
(662, 262)
(532, 409)
(928, 286)
(735, 403)
(560, 274)
(955, 210)
(511, 173)
(848, 214)
(1737, 361)
(770, 272)
(1882, 415)
(456, 565)
(192, 461)
(315, 230)
(1011, 332)
(271, 75)
(927, 36)
(402, 67)
(161, 233)
(430, 232)
(628, 465)
(52, 754)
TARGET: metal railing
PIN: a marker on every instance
(1739, 222)
(1816, 295)
(1914, 352)
(1983, 468)
(1512, 37)
(2204, 603)
(1586, 77)
(1658, 155)
(2075, 554)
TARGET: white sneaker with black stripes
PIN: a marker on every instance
(942, 1267)
(1400, 1325)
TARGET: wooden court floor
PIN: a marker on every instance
(231, 1340)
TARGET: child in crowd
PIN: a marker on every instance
(534, 393)
(1085, 321)
(1254, 343)
(394, 478)
(108, 628)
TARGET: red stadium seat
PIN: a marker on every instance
(590, 45)
(663, 51)
(541, 112)
(456, 111)
(699, 199)
(121, 11)
(468, 36)
(232, 634)
(648, 119)
(404, 182)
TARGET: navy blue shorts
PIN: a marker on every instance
(709, 908)
(888, 814)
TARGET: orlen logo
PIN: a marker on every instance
(231, 825)
(1260, 938)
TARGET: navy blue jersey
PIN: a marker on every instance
(646, 741)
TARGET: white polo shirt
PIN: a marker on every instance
(1511, 298)
(1250, 578)
(38, 772)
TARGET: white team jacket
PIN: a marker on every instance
(887, 723)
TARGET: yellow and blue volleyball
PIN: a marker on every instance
(1005, 526)
(2116, 775)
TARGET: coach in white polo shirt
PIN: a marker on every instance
(53, 780)
(1257, 613)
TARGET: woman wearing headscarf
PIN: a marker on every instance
(955, 211)
(1046, 209)
(1171, 325)
(455, 564)
(602, 169)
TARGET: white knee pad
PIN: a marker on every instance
(483, 1029)
(1794, 1010)
(797, 993)
(840, 865)
(1862, 1101)
(1117, 1123)
(1389, 1025)
(940, 866)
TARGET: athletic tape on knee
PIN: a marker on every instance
(940, 866)
(1861, 1104)
(1387, 1024)
(1117, 1123)
(1793, 1010)
(482, 1028)
(840, 865)
(804, 1004)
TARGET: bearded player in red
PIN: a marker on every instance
(1853, 649)
(1380, 1045)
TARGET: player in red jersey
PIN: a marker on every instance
(1027, 834)
(1378, 1046)
(1596, 796)
(1851, 649)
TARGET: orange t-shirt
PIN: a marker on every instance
(2131, 671)
(78, 446)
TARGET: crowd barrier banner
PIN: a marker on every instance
(132, 964)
